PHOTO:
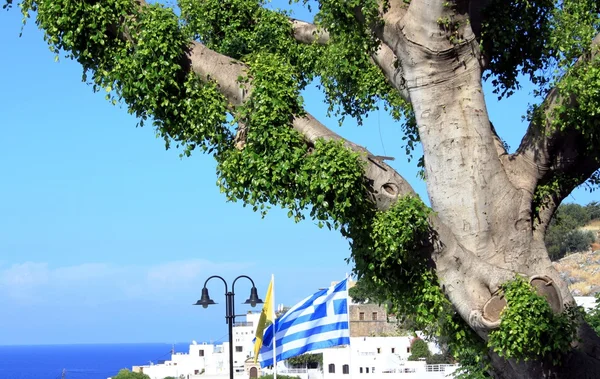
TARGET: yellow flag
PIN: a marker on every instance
(265, 316)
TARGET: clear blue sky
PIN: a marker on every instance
(107, 237)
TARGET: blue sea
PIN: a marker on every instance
(79, 361)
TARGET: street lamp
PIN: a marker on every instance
(205, 301)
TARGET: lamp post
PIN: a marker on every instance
(205, 301)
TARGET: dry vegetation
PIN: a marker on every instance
(581, 271)
(594, 226)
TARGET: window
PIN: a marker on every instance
(361, 370)
(378, 350)
(200, 353)
(361, 316)
(374, 316)
(331, 368)
(408, 349)
(346, 369)
(238, 349)
(372, 370)
(393, 350)
(367, 369)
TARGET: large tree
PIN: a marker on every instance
(463, 268)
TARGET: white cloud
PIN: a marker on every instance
(173, 273)
(20, 281)
(24, 275)
(82, 272)
(32, 283)
(184, 272)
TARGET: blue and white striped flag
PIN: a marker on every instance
(317, 322)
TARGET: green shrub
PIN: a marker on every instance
(437, 359)
(563, 236)
(593, 210)
(306, 360)
(126, 374)
(419, 349)
(577, 240)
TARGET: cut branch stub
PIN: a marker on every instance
(390, 189)
(492, 309)
(544, 286)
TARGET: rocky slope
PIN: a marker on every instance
(582, 270)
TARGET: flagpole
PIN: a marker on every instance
(274, 330)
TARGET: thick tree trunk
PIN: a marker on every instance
(487, 214)
(484, 206)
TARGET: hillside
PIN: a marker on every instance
(582, 270)
(594, 226)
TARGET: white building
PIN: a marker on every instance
(367, 357)
(211, 361)
(377, 357)
(587, 302)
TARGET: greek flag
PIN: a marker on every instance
(317, 322)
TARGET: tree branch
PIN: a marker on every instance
(386, 184)
(385, 58)
(475, 9)
(548, 154)
(309, 33)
